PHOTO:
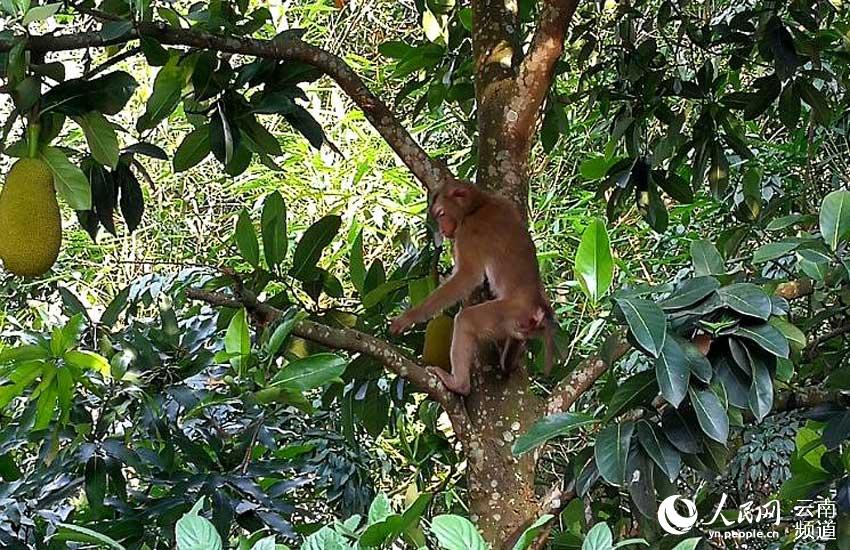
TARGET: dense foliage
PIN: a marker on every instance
(690, 205)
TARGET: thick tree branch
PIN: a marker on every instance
(571, 388)
(537, 68)
(431, 172)
(350, 340)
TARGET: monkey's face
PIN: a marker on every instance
(449, 207)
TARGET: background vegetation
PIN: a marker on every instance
(689, 186)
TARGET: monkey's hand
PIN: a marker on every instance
(402, 323)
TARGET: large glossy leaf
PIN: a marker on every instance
(706, 259)
(698, 363)
(70, 181)
(767, 337)
(835, 218)
(311, 372)
(194, 148)
(746, 299)
(637, 390)
(101, 138)
(167, 88)
(107, 94)
(774, 251)
(690, 292)
(734, 382)
(78, 533)
(530, 534)
(679, 432)
(672, 372)
(612, 451)
(647, 323)
(273, 223)
(237, 339)
(313, 242)
(246, 239)
(456, 533)
(710, 414)
(659, 449)
(594, 265)
(599, 538)
(548, 427)
(761, 389)
(194, 532)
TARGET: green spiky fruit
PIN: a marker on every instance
(30, 223)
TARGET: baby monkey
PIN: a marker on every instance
(492, 243)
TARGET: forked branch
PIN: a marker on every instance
(537, 68)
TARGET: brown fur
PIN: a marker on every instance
(492, 243)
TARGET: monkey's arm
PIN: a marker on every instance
(453, 289)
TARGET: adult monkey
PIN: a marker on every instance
(491, 241)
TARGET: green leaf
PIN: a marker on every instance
(357, 266)
(639, 389)
(194, 148)
(789, 107)
(690, 292)
(101, 137)
(313, 242)
(746, 299)
(688, 544)
(796, 337)
(532, 532)
(698, 364)
(594, 168)
(612, 451)
(767, 337)
(377, 295)
(195, 532)
(594, 265)
(706, 258)
(456, 533)
(70, 182)
(83, 359)
(237, 339)
(40, 13)
(107, 94)
(246, 239)
(548, 427)
(599, 538)
(311, 372)
(673, 372)
(273, 223)
(761, 389)
(835, 218)
(20, 354)
(77, 533)
(711, 415)
(647, 323)
(266, 543)
(380, 509)
(167, 89)
(432, 27)
(659, 449)
(774, 251)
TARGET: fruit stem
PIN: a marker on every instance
(33, 130)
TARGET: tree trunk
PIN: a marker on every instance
(501, 486)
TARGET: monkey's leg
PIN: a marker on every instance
(484, 322)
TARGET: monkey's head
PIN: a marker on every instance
(451, 203)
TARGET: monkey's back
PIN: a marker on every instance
(496, 234)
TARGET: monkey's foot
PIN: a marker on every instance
(449, 381)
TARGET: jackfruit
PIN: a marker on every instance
(438, 342)
(30, 222)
